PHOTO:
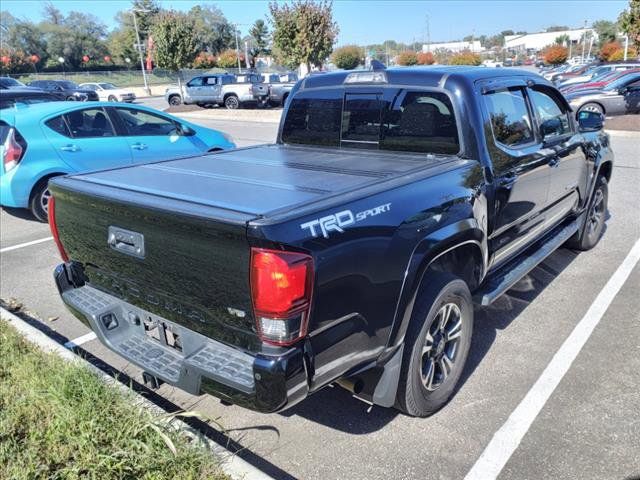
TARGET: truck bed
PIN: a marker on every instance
(256, 182)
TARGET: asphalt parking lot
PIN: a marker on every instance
(588, 429)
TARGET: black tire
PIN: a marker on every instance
(592, 107)
(71, 98)
(590, 234)
(429, 374)
(112, 98)
(232, 102)
(175, 100)
(39, 200)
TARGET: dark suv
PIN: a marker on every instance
(66, 89)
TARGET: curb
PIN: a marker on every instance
(623, 133)
(232, 465)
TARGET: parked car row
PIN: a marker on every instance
(232, 91)
(68, 90)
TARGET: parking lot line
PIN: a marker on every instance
(26, 244)
(506, 440)
(76, 342)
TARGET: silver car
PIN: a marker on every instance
(620, 97)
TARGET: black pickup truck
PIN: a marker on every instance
(350, 251)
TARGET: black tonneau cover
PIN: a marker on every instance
(252, 182)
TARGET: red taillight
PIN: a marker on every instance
(12, 151)
(281, 286)
(51, 212)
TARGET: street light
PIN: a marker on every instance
(61, 62)
(139, 46)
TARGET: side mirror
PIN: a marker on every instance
(185, 130)
(590, 121)
(623, 90)
(550, 127)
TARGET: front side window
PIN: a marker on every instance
(553, 119)
(510, 120)
(89, 123)
(140, 123)
(196, 82)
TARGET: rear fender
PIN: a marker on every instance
(463, 234)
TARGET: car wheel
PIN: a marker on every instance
(232, 102)
(437, 343)
(112, 98)
(590, 234)
(175, 100)
(39, 202)
(592, 107)
(71, 98)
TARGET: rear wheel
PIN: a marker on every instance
(591, 232)
(436, 345)
(71, 98)
(39, 202)
(592, 107)
(112, 98)
(175, 100)
(232, 102)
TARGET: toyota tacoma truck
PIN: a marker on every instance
(351, 251)
(220, 89)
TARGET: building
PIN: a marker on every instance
(534, 42)
(453, 46)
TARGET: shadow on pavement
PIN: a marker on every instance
(21, 213)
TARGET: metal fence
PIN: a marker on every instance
(133, 78)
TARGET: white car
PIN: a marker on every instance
(492, 64)
(108, 92)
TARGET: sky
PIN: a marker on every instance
(368, 22)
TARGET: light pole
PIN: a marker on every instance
(61, 62)
(139, 47)
(235, 27)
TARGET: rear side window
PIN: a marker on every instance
(404, 120)
(510, 118)
(89, 123)
(58, 125)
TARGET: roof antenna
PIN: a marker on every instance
(377, 65)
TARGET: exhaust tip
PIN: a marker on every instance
(354, 385)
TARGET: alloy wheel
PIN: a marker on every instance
(440, 349)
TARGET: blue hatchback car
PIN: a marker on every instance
(44, 140)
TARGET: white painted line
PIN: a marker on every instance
(506, 440)
(234, 466)
(26, 244)
(76, 342)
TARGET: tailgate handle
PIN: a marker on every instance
(126, 241)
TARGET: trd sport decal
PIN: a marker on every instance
(338, 221)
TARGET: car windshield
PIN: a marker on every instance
(621, 81)
(107, 86)
(67, 85)
(10, 82)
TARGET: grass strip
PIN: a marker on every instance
(58, 420)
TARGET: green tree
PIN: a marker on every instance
(347, 57)
(562, 39)
(211, 28)
(607, 31)
(23, 36)
(175, 45)
(629, 21)
(259, 40)
(304, 32)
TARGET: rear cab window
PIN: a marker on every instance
(420, 121)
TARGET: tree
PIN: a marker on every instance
(259, 41)
(23, 36)
(609, 49)
(347, 57)
(303, 32)
(205, 60)
(465, 57)
(211, 28)
(407, 58)
(175, 44)
(229, 59)
(557, 28)
(629, 21)
(425, 58)
(555, 54)
(562, 39)
(607, 31)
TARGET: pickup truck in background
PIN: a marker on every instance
(280, 86)
(220, 89)
(352, 250)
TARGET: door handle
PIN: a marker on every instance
(554, 161)
(70, 148)
(139, 146)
